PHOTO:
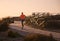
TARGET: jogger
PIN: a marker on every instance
(22, 17)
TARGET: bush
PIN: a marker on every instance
(13, 34)
(38, 37)
(4, 27)
(4, 24)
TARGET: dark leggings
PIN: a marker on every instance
(22, 23)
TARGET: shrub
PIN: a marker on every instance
(4, 24)
(4, 27)
(38, 37)
(13, 34)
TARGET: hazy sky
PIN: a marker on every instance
(15, 7)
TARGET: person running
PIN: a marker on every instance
(22, 17)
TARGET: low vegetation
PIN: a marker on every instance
(38, 37)
(44, 21)
(4, 27)
(14, 34)
(4, 24)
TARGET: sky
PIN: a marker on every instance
(15, 7)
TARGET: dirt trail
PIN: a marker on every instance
(28, 29)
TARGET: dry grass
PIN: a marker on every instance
(38, 37)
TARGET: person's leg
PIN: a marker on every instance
(22, 24)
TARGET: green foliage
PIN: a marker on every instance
(13, 34)
(38, 37)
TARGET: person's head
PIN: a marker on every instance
(22, 13)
